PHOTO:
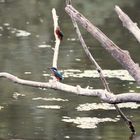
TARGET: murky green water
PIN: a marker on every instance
(26, 41)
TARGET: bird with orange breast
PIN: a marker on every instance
(57, 74)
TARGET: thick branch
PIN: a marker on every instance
(128, 23)
(53, 84)
(121, 56)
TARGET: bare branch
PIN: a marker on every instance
(128, 122)
(128, 23)
(53, 84)
(57, 40)
(91, 58)
(100, 72)
(120, 55)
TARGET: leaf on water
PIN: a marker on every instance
(88, 122)
(49, 106)
(105, 106)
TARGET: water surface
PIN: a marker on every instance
(26, 41)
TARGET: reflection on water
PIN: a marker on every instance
(87, 122)
(49, 106)
(26, 50)
(119, 74)
(105, 106)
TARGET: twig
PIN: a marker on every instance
(120, 55)
(129, 123)
(128, 23)
(99, 70)
(57, 40)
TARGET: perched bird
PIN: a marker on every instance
(59, 33)
(57, 74)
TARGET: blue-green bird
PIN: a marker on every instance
(57, 74)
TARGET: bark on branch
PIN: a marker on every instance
(57, 40)
(120, 55)
(53, 84)
(104, 82)
(128, 23)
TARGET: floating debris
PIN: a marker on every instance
(88, 122)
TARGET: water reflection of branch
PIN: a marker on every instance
(134, 137)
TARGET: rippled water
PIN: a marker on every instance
(26, 50)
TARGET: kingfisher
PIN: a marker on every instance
(57, 74)
(59, 33)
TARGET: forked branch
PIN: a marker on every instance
(116, 52)
(99, 70)
(120, 55)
